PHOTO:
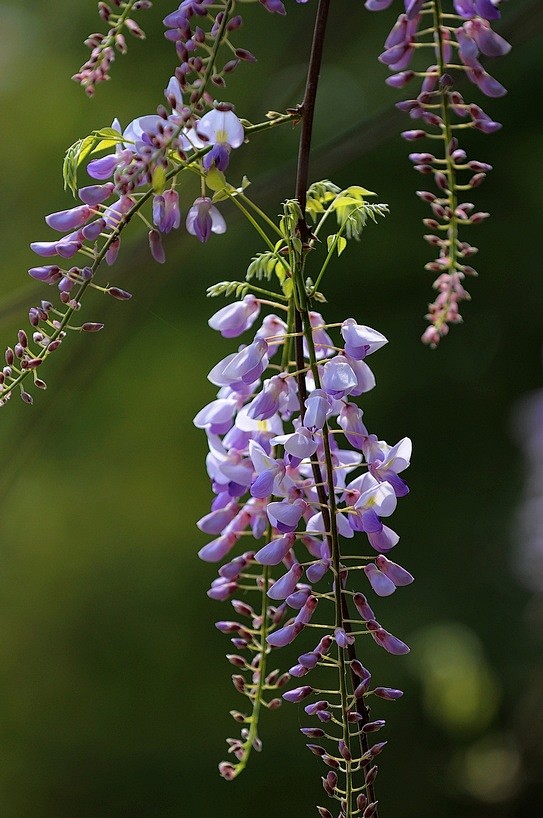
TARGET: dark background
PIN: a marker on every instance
(114, 695)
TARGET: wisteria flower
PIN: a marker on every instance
(222, 129)
(203, 219)
(236, 318)
(166, 212)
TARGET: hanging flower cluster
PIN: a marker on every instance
(458, 38)
(104, 47)
(293, 466)
(147, 164)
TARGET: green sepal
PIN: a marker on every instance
(216, 180)
(159, 180)
(286, 286)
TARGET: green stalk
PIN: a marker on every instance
(264, 648)
(447, 135)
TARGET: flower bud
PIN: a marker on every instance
(121, 295)
(92, 327)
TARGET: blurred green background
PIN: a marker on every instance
(114, 695)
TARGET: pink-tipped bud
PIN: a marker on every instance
(479, 217)
(227, 770)
(344, 751)
(441, 181)
(234, 22)
(120, 295)
(410, 136)
(243, 54)
(477, 180)
(89, 326)
(134, 29)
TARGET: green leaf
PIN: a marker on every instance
(360, 192)
(341, 244)
(159, 179)
(345, 201)
(297, 245)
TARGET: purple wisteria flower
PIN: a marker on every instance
(221, 129)
(236, 318)
(166, 212)
(203, 219)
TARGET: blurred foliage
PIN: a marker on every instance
(114, 698)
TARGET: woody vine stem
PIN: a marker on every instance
(304, 330)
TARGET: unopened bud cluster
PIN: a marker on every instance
(104, 47)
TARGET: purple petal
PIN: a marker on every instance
(65, 220)
(298, 694)
(49, 274)
(488, 84)
(342, 638)
(216, 521)
(221, 590)
(301, 444)
(389, 693)
(393, 571)
(275, 551)
(377, 5)
(298, 599)
(235, 318)
(307, 611)
(490, 43)
(381, 584)
(398, 33)
(284, 636)
(389, 642)
(285, 585)
(383, 540)
(338, 378)
(263, 485)
(217, 549)
(309, 660)
(95, 194)
(104, 167)
(487, 9)
(316, 571)
(363, 607)
(286, 516)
